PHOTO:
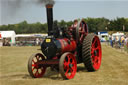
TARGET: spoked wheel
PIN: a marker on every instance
(35, 70)
(91, 52)
(67, 65)
(81, 31)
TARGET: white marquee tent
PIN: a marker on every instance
(8, 34)
(118, 34)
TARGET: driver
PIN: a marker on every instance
(72, 29)
(75, 24)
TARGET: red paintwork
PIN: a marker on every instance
(70, 66)
(38, 72)
(48, 62)
(96, 53)
(0, 36)
(67, 45)
(83, 31)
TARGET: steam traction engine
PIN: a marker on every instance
(64, 49)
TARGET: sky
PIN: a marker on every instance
(12, 12)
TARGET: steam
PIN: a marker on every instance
(10, 8)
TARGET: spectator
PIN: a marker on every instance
(117, 39)
(126, 44)
(6, 42)
(107, 40)
(122, 40)
(111, 41)
(126, 41)
(37, 41)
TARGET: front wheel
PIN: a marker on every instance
(91, 52)
(35, 70)
(67, 65)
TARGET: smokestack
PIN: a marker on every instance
(49, 18)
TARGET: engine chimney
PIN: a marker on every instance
(49, 18)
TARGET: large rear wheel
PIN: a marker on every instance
(91, 52)
(68, 65)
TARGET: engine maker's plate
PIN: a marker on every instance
(48, 40)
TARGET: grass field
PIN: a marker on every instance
(13, 69)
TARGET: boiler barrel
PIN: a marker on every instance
(52, 47)
(67, 45)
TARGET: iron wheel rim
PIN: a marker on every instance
(69, 67)
(34, 69)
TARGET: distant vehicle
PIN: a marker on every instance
(103, 36)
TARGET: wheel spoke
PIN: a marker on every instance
(92, 56)
(37, 57)
(33, 69)
(33, 61)
(93, 43)
(71, 69)
(33, 65)
(93, 60)
(94, 64)
(96, 59)
(93, 46)
(66, 73)
(36, 73)
(66, 65)
(92, 50)
(69, 59)
(73, 62)
(98, 47)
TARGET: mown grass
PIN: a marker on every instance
(13, 69)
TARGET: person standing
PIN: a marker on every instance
(37, 41)
(111, 42)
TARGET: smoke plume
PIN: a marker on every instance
(9, 8)
(46, 1)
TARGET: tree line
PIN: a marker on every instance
(94, 25)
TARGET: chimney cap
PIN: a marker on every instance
(49, 5)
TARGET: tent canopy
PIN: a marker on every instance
(31, 35)
(117, 34)
(7, 34)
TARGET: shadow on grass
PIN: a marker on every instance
(81, 69)
(14, 76)
(50, 76)
(54, 75)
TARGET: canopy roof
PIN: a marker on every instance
(117, 34)
(31, 35)
(7, 34)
